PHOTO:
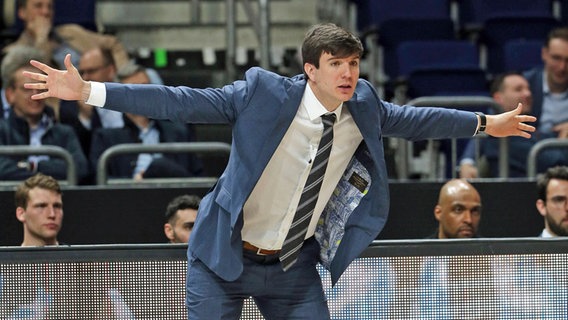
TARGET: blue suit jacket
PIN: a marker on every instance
(261, 108)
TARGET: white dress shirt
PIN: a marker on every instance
(270, 209)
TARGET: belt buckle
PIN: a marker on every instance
(259, 252)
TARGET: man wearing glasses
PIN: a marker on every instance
(552, 205)
(95, 65)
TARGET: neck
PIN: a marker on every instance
(37, 242)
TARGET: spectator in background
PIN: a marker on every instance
(96, 64)
(39, 207)
(508, 90)
(458, 211)
(549, 86)
(56, 41)
(180, 217)
(552, 201)
(32, 123)
(141, 129)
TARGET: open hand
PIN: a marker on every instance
(511, 123)
(62, 84)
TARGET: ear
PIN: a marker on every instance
(20, 214)
(169, 231)
(541, 207)
(498, 97)
(437, 212)
(309, 69)
(22, 13)
(10, 95)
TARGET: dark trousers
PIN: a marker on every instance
(294, 294)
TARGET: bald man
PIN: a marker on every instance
(458, 211)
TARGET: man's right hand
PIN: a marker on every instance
(62, 84)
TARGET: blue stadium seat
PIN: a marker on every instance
(447, 82)
(497, 31)
(520, 55)
(474, 13)
(81, 12)
(434, 54)
(381, 11)
(397, 31)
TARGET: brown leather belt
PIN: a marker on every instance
(261, 252)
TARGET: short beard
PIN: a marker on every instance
(555, 227)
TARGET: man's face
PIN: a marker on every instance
(36, 9)
(180, 231)
(555, 58)
(515, 89)
(459, 213)
(93, 67)
(43, 216)
(335, 80)
(555, 208)
(20, 98)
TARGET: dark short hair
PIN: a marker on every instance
(182, 202)
(558, 172)
(557, 33)
(21, 3)
(39, 180)
(497, 82)
(329, 38)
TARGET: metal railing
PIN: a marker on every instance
(532, 159)
(456, 102)
(171, 147)
(52, 151)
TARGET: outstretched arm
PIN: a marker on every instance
(511, 123)
(62, 84)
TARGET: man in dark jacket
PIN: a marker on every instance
(31, 123)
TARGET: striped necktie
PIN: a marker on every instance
(302, 217)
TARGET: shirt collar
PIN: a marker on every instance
(546, 88)
(546, 234)
(314, 107)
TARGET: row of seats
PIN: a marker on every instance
(417, 41)
(468, 14)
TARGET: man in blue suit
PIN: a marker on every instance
(234, 251)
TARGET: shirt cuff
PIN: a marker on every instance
(97, 97)
(465, 161)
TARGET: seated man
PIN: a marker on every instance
(141, 129)
(31, 123)
(96, 64)
(508, 90)
(39, 207)
(552, 201)
(458, 211)
(180, 217)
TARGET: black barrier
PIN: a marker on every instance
(415, 279)
(134, 214)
